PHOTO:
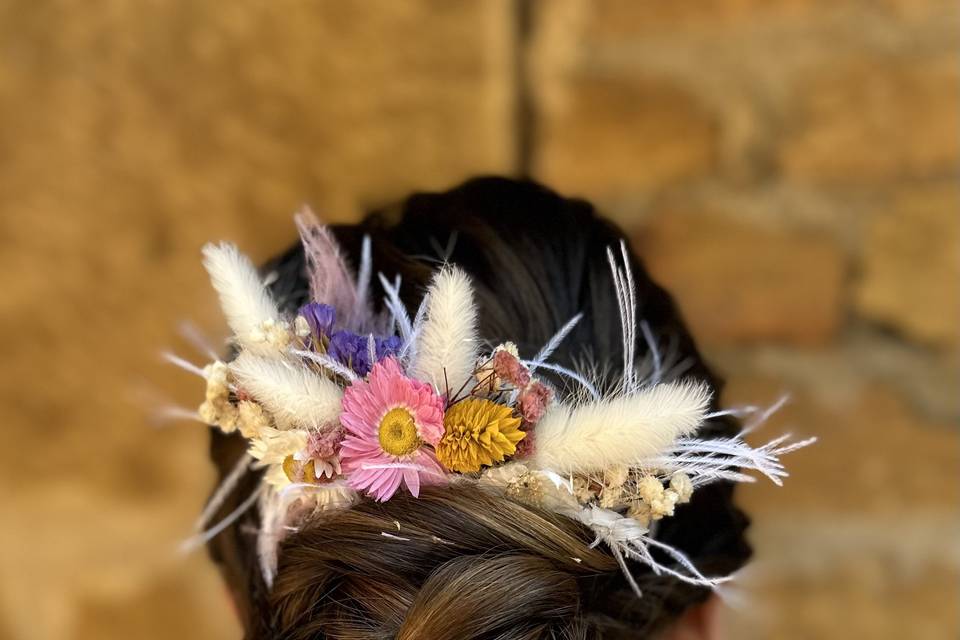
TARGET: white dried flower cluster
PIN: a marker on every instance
(216, 408)
(251, 418)
(656, 501)
(272, 446)
(301, 327)
(681, 483)
(503, 475)
(275, 333)
(614, 479)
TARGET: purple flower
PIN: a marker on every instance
(350, 349)
(353, 350)
(387, 346)
(320, 318)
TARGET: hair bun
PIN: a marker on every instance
(505, 595)
(457, 562)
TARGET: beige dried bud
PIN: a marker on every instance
(228, 418)
(640, 511)
(276, 334)
(509, 347)
(616, 476)
(251, 419)
(208, 412)
(649, 488)
(216, 408)
(301, 327)
(504, 474)
(527, 489)
(663, 506)
(272, 446)
(583, 490)
(219, 413)
(611, 497)
(681, 483)
(218, 382)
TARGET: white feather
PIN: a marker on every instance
(198, 540)
(627, 304)
(554, 342)
(394, 305)
(446, 350)
(294, 395)
(275, 513)
(245, 301)
(223, 491)
(708, 459)
(623, 430)
(274, 506)
(576, 376)
(328, 363)
(627, 538)
(408, 351)
(364, 273)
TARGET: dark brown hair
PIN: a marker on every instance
(464, 564)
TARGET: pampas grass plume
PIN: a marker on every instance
(245, 301)
(622, 430)
(294, 395)
(446, 350)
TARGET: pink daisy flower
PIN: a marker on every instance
(389, 418)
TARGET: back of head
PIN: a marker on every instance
(460, 561)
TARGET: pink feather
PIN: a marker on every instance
(331, 279)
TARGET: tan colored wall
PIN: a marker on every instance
(787, 167)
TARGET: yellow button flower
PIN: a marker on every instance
(477, 433)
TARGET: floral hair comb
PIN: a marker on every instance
(338, 402)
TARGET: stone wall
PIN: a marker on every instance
(786, 167)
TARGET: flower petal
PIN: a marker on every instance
(412, 479)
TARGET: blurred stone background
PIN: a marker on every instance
(787, 167)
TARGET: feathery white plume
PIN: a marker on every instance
(274, 507)
(330, 364)
(246, 303)
(706, 460)
(223, 491)
(626, 293)
(446, 350)
(278, 513)
(393, 304)
(409, 349)
(294, 395)
(627, 538)
(586, 384)
(364, 274)
(554, 342)
(622, 430)
(198, 540)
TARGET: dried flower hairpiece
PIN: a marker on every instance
(338, 401)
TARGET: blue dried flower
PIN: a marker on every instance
(320, 318)
(350, 349)
(387, 346)
(353, 350)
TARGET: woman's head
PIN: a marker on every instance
(459, 561)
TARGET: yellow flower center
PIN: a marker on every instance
(398, 433)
